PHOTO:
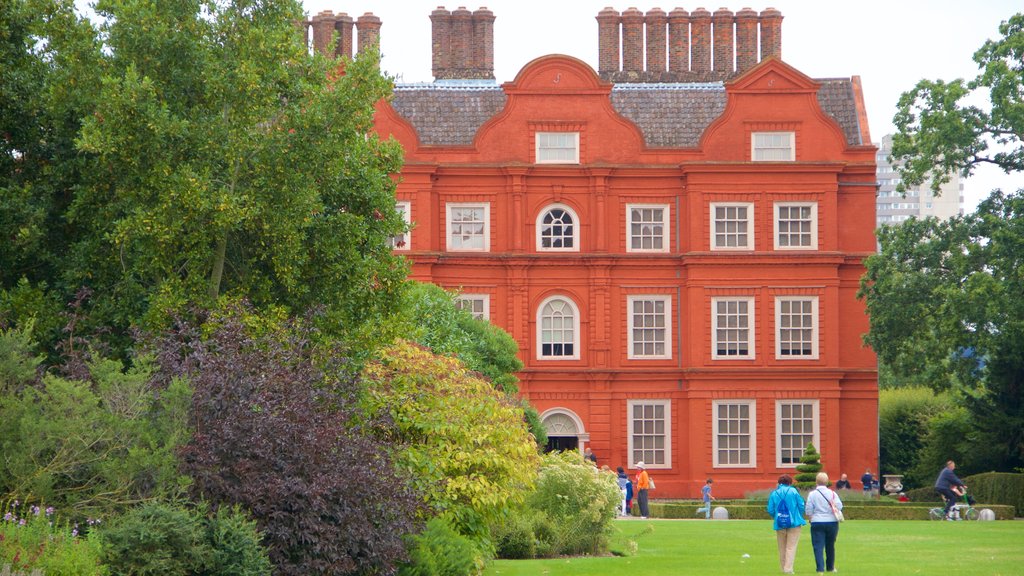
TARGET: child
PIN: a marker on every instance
(706, 496)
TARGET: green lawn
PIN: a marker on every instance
(865, 547)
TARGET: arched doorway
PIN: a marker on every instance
(565, 430)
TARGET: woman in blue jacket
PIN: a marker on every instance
(786, 507)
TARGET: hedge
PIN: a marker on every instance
(991, 487)
(872, 511)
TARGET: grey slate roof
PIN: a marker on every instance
(668, 115)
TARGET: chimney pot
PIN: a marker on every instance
(656, 21)
(633, 40)
(368, 26)
(461, 42)
(441, 38)
(746, 39)
(723, 20)
(483, 43)
(608, 40)
(700, 37)
(771, 33)
(679, 41)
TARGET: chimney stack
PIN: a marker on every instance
(700, 37)
(656, 21)
(633, 40)
(323, 28)
(723, 20)
(483, 43)
(463, 43)
(746, 40)
(368, 26)
(679, 41)
(608, 41)
(771, 33)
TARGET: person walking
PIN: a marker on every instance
(946, 484)
(705, 495)
(643, 484)
(626, 487)
(867, 480)
(785, 506)
(820, 508)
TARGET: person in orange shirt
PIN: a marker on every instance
(643, 484)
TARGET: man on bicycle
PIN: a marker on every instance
(948, 485)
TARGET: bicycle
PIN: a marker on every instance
(964, 511)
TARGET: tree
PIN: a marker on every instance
(938, 134)
(944, 299)
(278, 431)
(808, 468)
(463, 443)
(199, 153)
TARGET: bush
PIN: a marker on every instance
(514, 538)
(165, 540)
(852, 511)
(282, 435)
(903, 428)
(810, 465)
(32, 541)
(998, 488)
(441, 551)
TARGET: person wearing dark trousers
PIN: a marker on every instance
(867, 479)
(643, 484)
(946, 483)
(821, 508)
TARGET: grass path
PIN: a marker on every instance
(865, 547)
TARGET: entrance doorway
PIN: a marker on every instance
(565, 430)
(562, 443)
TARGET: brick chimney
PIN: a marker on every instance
(608, 41)
(679, 41)
(323, 27)
(462, 41)
(700, 37)
(368, 27)
(723, 20)
(656, 21)
(441, 38)
(483, 43)
(746, 39)
(632, 40)
(771, 33)
(343, 26)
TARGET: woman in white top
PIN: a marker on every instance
(824, 524)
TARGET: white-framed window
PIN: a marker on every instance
(558, 329)
(402, 241)
(469, 226)
(732, 330)
(647, 228)
(650, 327)
(558, 229)
(772, 146)
(650, 427)
(558, 147)
(479, 305)
(734, 439)
(796, 226)
(732, 226)
(796, 327)
(796, 426)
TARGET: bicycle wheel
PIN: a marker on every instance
(971, 514)
(936, 513)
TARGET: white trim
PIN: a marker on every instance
(751, 432)
(792, 146)
(814, 224)
(665, 236)
(751, 333)
(667, 431)
(486, 206)
(581, 431)
(816, 424)
(666, 328)
(538, 136)
(485, 299)
(538, 227)
(405, 207)
(539, 333)
(714, 206)
(815, 332)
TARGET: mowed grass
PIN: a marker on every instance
(864, 547)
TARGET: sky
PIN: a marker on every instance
(889, 44)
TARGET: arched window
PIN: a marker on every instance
(558, 328)
(557, 229)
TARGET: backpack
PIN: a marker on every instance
(782, 518)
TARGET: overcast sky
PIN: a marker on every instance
(890, 44)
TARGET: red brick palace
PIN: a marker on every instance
(675, 241)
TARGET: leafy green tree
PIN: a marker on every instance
(190, 151)
(944, 302)
(430, 317)
(808, 468)
(463, 443)
(939, 134)
(905, 418)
